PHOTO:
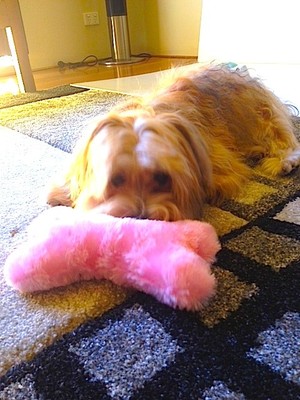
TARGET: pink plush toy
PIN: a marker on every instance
(169, 260)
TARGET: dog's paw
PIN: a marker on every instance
(291, 162)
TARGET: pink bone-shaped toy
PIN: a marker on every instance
(169, 260)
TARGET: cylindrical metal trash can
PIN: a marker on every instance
(119, 34)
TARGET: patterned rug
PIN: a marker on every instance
(94, 340)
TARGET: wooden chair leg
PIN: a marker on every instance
(11, 20)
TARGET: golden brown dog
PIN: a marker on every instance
(189, 144)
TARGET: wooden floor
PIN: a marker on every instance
(49, 78)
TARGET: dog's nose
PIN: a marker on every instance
(138, 216)
(142, 216)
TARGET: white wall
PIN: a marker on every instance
(250, 31)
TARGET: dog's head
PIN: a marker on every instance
(138, 164)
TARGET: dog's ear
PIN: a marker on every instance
(193, 146)
(66, 190)
(193, 186)
(79, 169)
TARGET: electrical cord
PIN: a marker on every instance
(143, 55)
(92, 60)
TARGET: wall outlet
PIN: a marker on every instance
(91, 18)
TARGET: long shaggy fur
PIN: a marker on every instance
(189, 143)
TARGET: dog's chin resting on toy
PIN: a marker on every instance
(191, 142)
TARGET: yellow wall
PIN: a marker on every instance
(172, 26)
(55, 29)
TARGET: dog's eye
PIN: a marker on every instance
(118, 180)
(161, 179)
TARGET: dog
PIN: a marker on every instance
(192, 142)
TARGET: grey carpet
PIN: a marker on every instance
(95, 340)
(10, 100)
(59, 121)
